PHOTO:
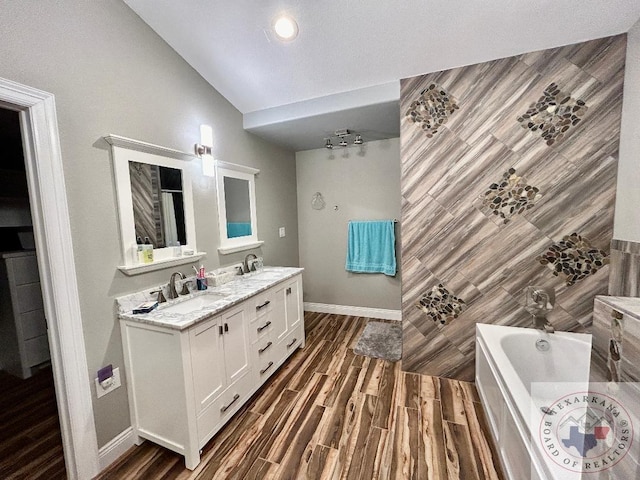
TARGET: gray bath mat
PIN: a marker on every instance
(381, 340)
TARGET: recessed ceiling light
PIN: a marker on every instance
(285, 27)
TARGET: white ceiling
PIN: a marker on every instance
(351, 45)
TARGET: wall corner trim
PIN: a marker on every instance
(115, 448)
(380, 313)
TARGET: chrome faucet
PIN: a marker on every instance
(173, 293)
(542, 323)
(246, 263)
(539, 302)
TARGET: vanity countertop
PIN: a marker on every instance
(234, 292)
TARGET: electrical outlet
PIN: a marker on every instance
(281, 232)
(109, 385)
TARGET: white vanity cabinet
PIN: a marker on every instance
(184, 385)
(24, 345)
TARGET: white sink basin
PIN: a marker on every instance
(193, 304)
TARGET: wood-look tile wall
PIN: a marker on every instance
(624, 275)
(540, 131)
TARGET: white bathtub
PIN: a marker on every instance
(508, 365)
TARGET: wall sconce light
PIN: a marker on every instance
(342, 135)
(203, 150)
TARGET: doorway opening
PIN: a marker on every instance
(30, 437)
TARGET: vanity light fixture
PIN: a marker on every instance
(203, 150)
(341, 136)
(285, 28)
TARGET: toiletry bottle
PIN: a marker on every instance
(139, 254)
(201, 279)
(147, 253)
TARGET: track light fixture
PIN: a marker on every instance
(341, 137)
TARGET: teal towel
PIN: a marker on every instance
(372, 247)
(238, 229)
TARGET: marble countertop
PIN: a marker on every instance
(234, 292)
(627, 305)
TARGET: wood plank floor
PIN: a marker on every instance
(30, 441)
(331, 414)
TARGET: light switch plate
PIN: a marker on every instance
(115, 383)
(281, 232)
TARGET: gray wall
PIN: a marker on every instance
(627, 217)
(110, 73)
(364, 188)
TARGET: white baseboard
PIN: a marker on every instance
(115, 448)
(380, 313)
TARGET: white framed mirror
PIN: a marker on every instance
(155, 201)
(237, 220)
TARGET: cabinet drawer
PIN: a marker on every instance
(262, 304)
(212, 418)
(29, 297)
(33, 324)
(292, 340)
(25, 270)
(262, 328)
(37, 350)
(268, 363)
(264, 346)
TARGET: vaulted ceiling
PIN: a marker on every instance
(343, 69)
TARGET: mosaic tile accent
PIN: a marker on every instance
(574, 257)
(432, 108)
(441, 305)
(553, 114)
(510, 196)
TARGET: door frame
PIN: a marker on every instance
(54, 246)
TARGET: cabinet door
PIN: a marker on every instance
(293, 303)
(236, 343)
(206, 341)
(279, 314)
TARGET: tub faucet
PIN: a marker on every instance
(539, 302)
(542, 323)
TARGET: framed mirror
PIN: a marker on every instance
(155, 201)
(237, 218)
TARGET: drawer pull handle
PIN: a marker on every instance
(220, 330)
(292, 342)
(264, 326)
(266, 368)
(258, 307)
(226, 407)
(289, 291)
(264, 349)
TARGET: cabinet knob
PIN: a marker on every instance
(289, 291)
(226, 327)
